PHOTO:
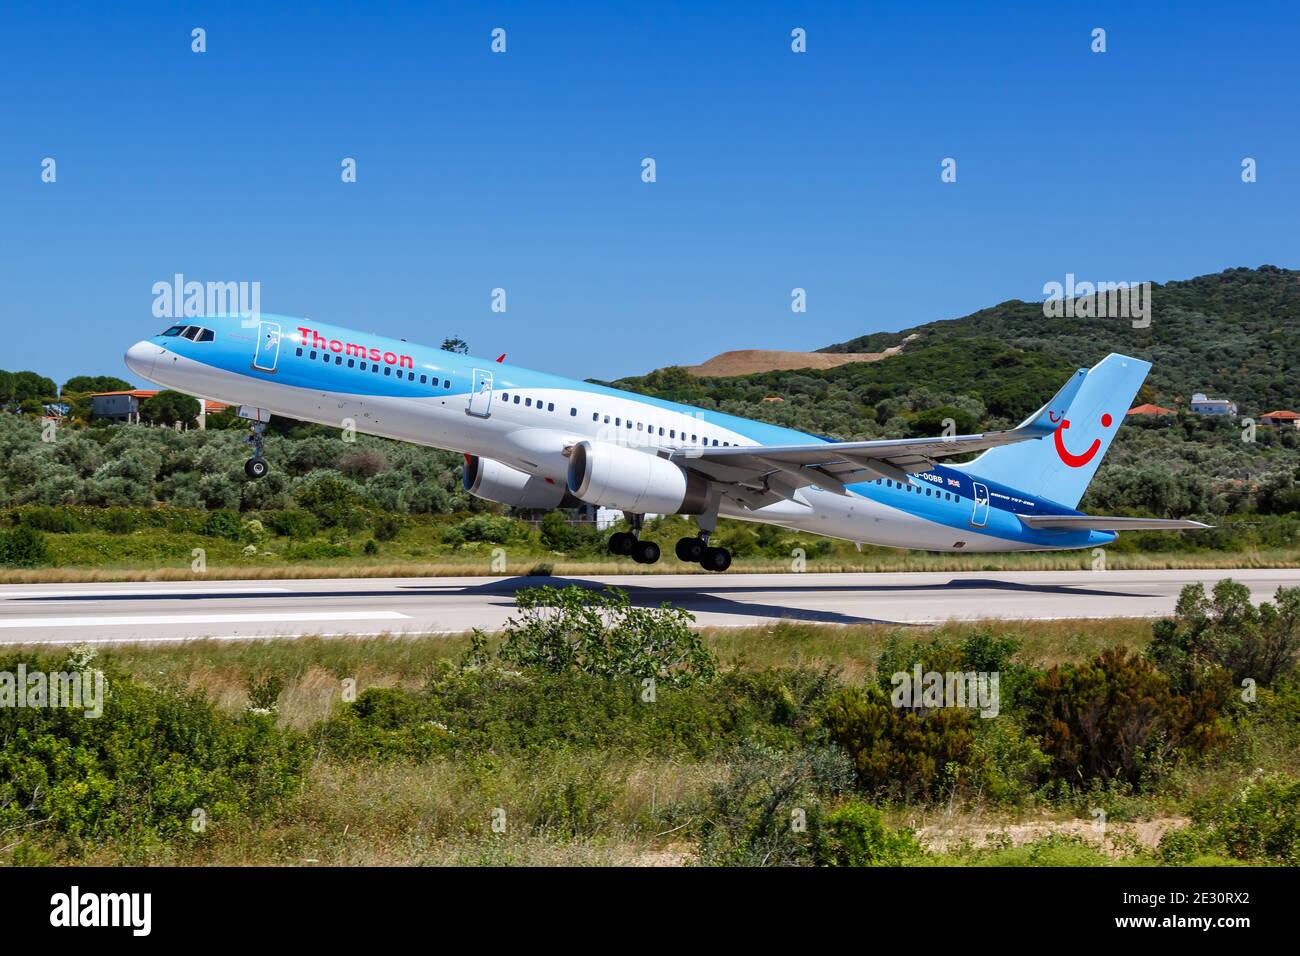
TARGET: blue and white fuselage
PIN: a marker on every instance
(1015, 497)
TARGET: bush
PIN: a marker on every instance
(898, 752)
(770, 810)
(56, 520)
(292, 523)
(854, 834)
(494, 529)
(604, 635)
(139, 770)
(223, 524)
(23, 547)
(386, 527)
(1115, 718)
(333, 501)
(1228, 632)
(1261, 826)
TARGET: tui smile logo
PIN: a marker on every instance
(1071, 459)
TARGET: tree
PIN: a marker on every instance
(168, 408)
(80, 384)
(455, 343)
(27, 387)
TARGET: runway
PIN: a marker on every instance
(241, 610)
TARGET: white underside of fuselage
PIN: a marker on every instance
(533, 441)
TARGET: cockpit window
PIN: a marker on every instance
(195, 333)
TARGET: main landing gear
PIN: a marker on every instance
(256, 467)
(698, 551)
(691, 550)
(629, 543)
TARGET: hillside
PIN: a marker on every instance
(1235, 334)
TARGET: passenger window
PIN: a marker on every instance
(595, 416)
(528, 403)
(446, 383)
(363, 366)
(573, 412)
(388, 370)
(313, 354)
(299, 353)
(516, 399)
(606, 419)
(352, 363)
(550, 407)
(423, 379)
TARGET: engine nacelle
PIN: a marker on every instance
(490, 479)
(616, 476)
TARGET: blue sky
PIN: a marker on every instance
(522, 171)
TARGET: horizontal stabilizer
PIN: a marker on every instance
(1103, 523)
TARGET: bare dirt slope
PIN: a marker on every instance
(749, 361)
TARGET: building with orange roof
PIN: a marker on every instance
(1149, 409)
(1281, 419)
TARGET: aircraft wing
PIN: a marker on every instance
(758, 475)
(832, 465)
(1103, 523)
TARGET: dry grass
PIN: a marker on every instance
(478, 567)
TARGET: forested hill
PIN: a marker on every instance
(1235, 334)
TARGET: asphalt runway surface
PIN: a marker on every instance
(242, 610)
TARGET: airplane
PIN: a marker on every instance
(540, 441)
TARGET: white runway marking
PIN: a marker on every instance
(103, 591)
(145, 619)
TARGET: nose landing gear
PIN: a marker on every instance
(256, 467)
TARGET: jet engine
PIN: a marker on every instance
(490, 479)
(616, 476)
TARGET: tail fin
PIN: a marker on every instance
(1078, 425)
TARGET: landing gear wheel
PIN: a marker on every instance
(715, 559)
(256, 468)
(645, 552)
(690, 550)
(621, 542)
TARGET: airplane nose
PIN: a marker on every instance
(140, 357)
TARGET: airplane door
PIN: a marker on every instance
(980, 515)
(268, 346)
(480, 398)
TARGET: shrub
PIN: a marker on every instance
(139, 770)
(1228, 632)
(333, 501)
(604, 635)
(1262, 825)
(494, 529)
(56, 520)
(770, 809)
(855, 834)
(23, 547)
(223, 524)
(899, 752)
(1116, 718)
(386, 527)
(292, 523)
